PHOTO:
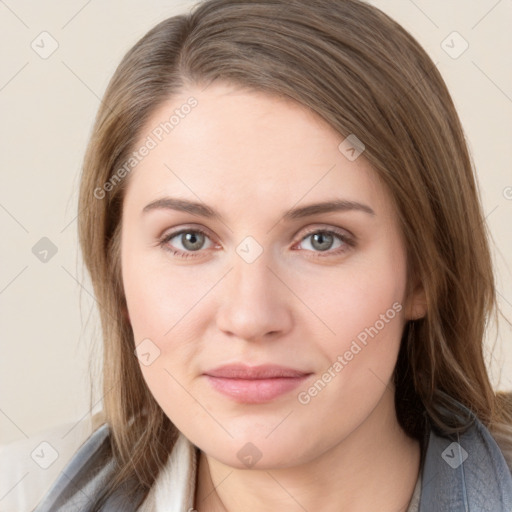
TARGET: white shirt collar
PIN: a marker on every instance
(174, 488)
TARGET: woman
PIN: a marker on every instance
(283, 230)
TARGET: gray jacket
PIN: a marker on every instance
(460, 473)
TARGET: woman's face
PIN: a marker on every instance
(252, 275)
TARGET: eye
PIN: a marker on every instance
(191, 240)
(323, 240)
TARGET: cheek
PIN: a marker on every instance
(362, 305)
(366, 294)
(165, 305)
(160, 298)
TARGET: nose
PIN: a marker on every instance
(255, 304)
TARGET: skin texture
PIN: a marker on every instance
(251, 157)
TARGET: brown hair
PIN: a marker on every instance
(365, 75)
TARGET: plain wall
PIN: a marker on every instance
(48, 106)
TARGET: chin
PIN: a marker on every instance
(254, 451)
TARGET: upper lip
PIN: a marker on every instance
(264, 371)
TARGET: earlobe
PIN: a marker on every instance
(417, 304)
(126, 315)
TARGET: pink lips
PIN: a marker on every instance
(254, 384)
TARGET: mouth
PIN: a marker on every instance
(255, 384)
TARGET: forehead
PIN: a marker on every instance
(244, 148)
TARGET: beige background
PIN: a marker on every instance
(48, 106)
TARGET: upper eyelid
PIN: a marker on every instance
(178, 230)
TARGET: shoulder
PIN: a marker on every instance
(465, 470)
(82, 477)
(92, 467)
(502, 431)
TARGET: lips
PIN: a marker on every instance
(267, 371)
(254, 384)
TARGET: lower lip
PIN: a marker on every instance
(255, 391)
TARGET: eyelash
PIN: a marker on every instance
(349, 243)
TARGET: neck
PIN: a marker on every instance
(375, 468)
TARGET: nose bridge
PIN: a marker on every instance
(251, 276)
(253, 304)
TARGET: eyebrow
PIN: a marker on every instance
(202, 210)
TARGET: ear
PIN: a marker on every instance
(126, 315)
(416, 305)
